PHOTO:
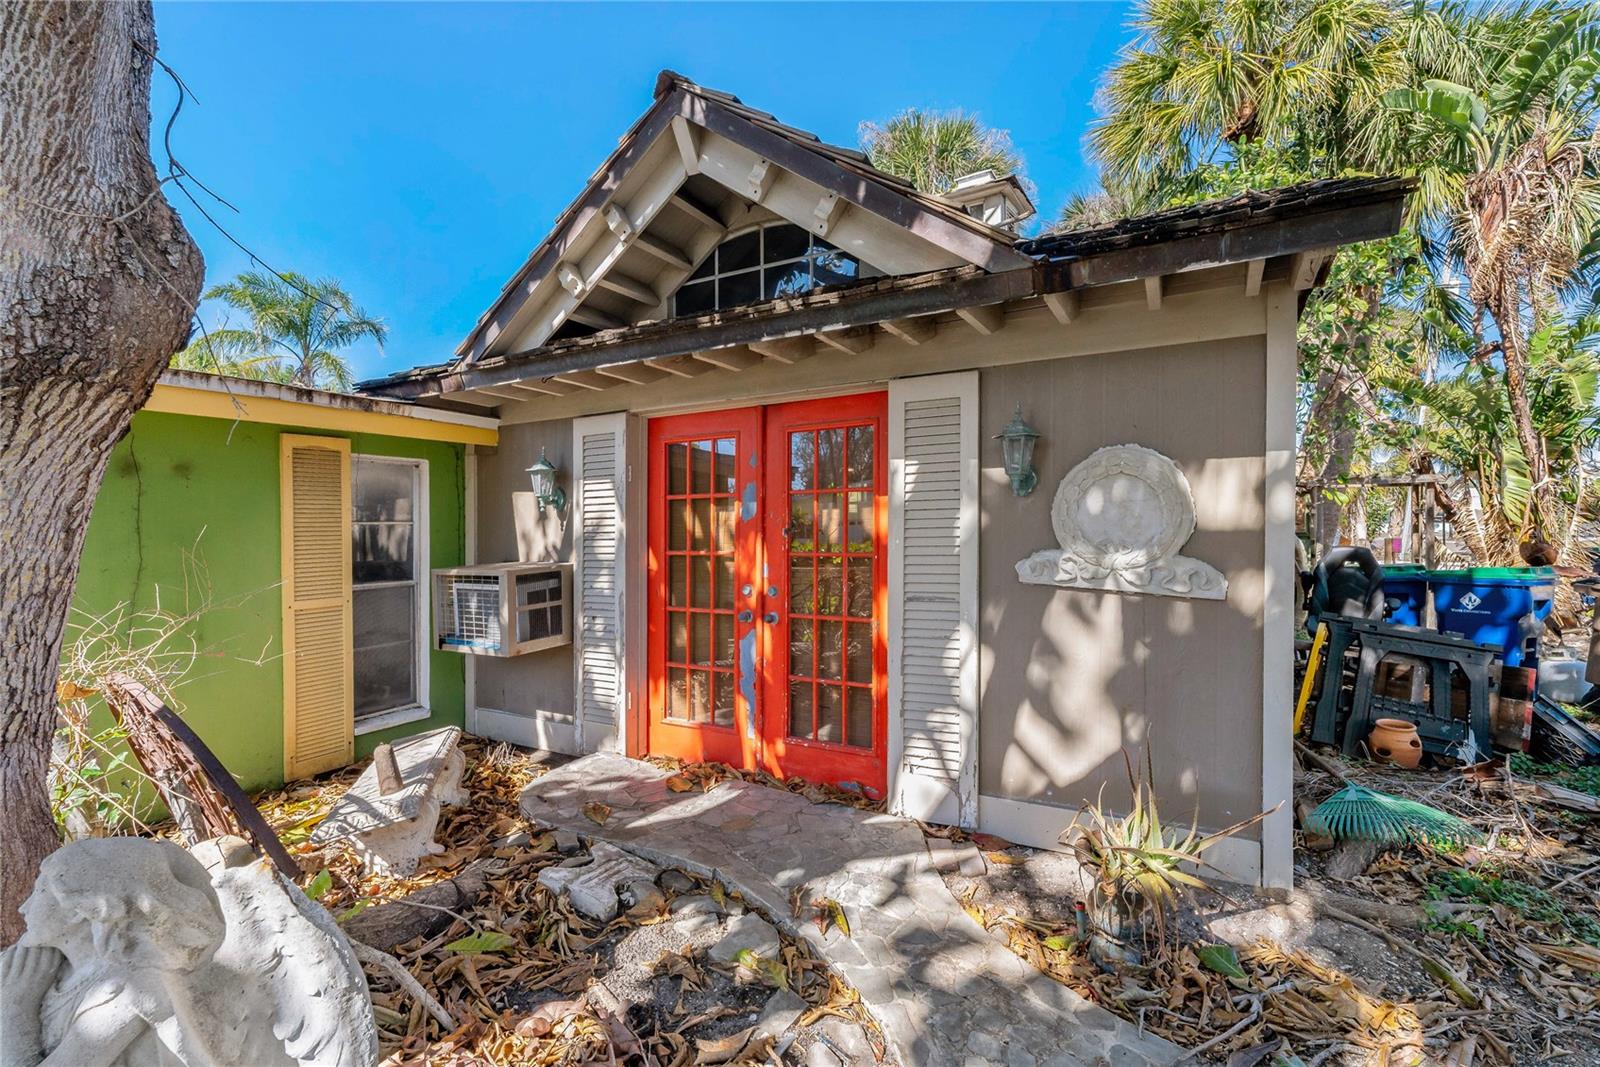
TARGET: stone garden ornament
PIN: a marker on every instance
(1120, 517)
(139, 953)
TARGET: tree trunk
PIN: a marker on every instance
(1513, 351)
(98, 281)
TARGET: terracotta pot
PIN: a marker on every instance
(1396, 740)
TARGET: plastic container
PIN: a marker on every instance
(1562, 680)
(1405, 590)
(1499, 606)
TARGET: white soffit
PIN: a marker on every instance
(624, 237)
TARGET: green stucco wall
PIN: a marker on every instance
(188, 518)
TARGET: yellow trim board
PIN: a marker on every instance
(241, 407)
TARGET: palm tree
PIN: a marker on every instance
(931, 149)
(1525, 158)
(1206, 76)
(297, 327)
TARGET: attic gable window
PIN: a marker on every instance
(775, 260)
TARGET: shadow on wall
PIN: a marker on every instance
(1071, 677)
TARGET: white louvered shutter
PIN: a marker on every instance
(599, 490)
(933, 597)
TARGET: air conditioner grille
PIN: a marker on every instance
(473, 611)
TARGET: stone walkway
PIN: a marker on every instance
(944, 990)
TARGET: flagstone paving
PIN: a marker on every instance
(944, 990)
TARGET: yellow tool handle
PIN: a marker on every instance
(1311, 676)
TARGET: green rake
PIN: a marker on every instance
(1361, 814)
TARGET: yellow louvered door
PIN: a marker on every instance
(318, 679)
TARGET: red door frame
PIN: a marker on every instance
(758, 736)
(815, 759)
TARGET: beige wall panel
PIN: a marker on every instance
(510, 528)
(1072, 676)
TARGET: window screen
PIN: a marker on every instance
(386, 505)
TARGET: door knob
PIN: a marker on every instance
(770, 617)
(747, 615)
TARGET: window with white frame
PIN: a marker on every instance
(778, 259)
(388, 615)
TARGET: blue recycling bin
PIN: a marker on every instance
(1405, 590)
(1501, 606)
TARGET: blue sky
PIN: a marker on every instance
(418, 152)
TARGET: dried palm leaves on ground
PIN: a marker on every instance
(526, 979)
(704, 776)
(1515, 919)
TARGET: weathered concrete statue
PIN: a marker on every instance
(141, 954)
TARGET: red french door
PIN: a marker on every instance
(704, 544)
(826, 528)
(768, 598)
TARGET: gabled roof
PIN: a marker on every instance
(695, 164)
(1282, 234)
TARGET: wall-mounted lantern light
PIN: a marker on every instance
(1016, 449)
(543, 476)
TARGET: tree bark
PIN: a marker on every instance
(98, 282)
(1513, 352)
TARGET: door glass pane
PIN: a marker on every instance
(677, 636)
(700, 638)
(722, 708)
(830, 585)
(699, 696)
(677, 469)
(858, 652)
(860, 459)
(677, 524)
(802, 460)
(725, 583)
(830, 520)
(700, 525)
(678, 694)
(858, 706)
(700, 467)
(860, 529)
(801, 661)
(830, 459)
(800, 724)
(678, 581)
(724, 482)
(722, 651)
(830, 649)
(860, 587)
(830, 713)
(700, 581)
(802, 586)
(725, 509)
(802, 533)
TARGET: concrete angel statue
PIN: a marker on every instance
(139, 953)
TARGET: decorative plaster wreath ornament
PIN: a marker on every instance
(1121, 516)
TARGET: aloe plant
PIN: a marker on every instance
(1141, 866)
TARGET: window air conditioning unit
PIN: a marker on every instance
(502, 609)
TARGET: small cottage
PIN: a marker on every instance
(857, 485)
(283, 537)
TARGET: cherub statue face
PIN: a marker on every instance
(125, 899)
